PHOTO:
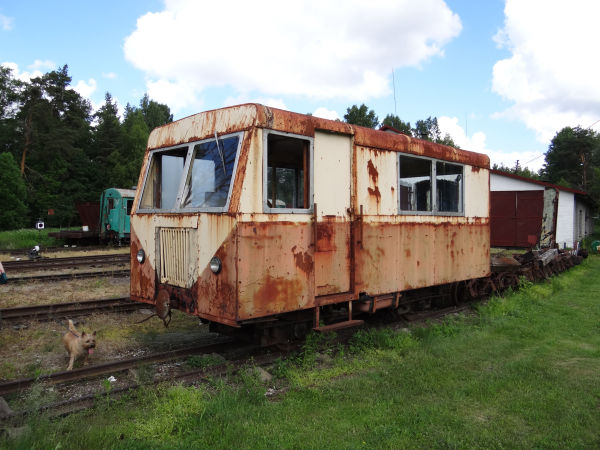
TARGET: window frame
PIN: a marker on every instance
(266, 208)
(177, 209)
(433, 177)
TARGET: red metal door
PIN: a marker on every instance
(516, 218)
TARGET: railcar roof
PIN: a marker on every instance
(124, 192)
(243, 117)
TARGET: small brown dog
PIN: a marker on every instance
(78, 345)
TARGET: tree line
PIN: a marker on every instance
(55, 152)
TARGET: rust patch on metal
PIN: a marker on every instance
(373, 173)
(264, 256)
(325, 237)
(142, 276)
(217, 293)
(374, 192)
(238, 180)
(421, 254)
(304, 261)
(276, 295)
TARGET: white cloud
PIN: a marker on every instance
(22, 76)
(45, 65)
(326, 114)
(110, 75)
(6, 23)
(477, 143)
(86, 89)
(178, 95)
(310, 48)
(552, 76)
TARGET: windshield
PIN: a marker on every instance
(210, 174)
(194, 176)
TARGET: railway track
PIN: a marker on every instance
(63, 310)
(65, 263)
(55, 269)
(84, 248)
(70, 276)
(113, 367)
(66, 407)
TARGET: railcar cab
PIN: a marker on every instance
(250, 215)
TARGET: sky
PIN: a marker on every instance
(502, 76)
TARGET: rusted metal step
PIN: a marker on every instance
(339, 325)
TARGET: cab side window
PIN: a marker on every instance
(287, 172)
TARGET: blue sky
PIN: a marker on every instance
(501, 76)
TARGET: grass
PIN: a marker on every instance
(520, 372)
(27, 238)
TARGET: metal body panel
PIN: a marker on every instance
(332, 195)
(376, 181)
(89, 213)
(403, 253)
(275, 268)
(477, 188)
(332, 171)
(249, 182)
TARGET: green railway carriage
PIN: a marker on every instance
(115, 209)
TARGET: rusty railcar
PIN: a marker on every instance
(251, 216)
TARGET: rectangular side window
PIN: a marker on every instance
(449, 181)
(415, 184)
(288, 172)
(427, 186)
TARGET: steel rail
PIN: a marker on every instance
(84, 248)
(70, 309)
(9, 387)
(70, 276)
(56, 263)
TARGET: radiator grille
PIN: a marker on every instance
(177, 256)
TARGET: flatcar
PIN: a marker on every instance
(269, 222)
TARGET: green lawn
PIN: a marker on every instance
(27, 238)
(523, 372)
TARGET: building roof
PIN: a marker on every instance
(541, 183)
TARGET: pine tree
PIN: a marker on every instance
(13, 214)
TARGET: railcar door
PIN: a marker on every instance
(332, 194)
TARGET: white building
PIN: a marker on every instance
(525, 212)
